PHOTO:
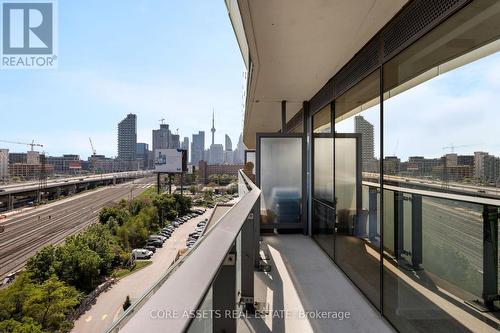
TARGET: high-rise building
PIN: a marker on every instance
(197, 147)
(174, 141)
(486, 167)
(239, 153)
(142, 154)
(161, 137)
(185, 145)
(4, 164)
(361, 125)
(228, 143)
(228, 157)
(127, 137)
(216, 154)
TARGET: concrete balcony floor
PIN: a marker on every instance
(303, 280)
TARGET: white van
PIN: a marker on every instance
(142, 254)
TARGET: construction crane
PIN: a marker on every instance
(452, 147)
(92, 146)
(32, 144)
(162, 121)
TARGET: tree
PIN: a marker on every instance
(192, 189)
(51, 303)
(42, 265)
(78, 265)
(117, 212)
(98, 238)
(27, 325)
(14, 296)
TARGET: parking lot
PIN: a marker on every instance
(109, 304)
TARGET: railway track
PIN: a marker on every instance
(25, 234)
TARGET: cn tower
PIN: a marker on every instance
(213, 127)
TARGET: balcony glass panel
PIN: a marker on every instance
(357, 152)
(440, 135)
(281, 180)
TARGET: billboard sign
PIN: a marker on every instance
(168, 160)
(76, 165)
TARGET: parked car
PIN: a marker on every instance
(142, 253)
(155, 243)
(161, 238)
(164, 234)
(176, 224)
(150, 248)
(201, 224)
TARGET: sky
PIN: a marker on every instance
(458, 108)
(158, 59)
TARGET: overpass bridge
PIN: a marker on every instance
(26, 194)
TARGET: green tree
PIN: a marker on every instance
(192, 189)
(27, 325)
(14, 296)
(99, 239)
(117, 212)
(78, 265)
(51, 303)
(42, 265)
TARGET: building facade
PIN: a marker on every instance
(127, 137)
(216, 154)
(365, 128)
(161, 137)
(65, 164)
(4, 164)
(197, 147)
(205, 170)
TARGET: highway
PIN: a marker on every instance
(34, 185)
(28, 231)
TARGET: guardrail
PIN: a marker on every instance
(208, 272)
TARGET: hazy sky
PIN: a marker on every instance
(158, 59)
(460, 107)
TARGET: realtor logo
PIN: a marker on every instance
(28, 34)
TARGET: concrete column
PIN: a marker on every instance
(10, 205)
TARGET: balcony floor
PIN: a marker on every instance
(304, 279)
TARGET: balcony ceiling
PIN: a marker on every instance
(296, 46)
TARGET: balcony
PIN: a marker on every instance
(235, 281)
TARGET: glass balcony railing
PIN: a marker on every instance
(440, 256)
(199, 292)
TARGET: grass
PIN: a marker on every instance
(139, 264)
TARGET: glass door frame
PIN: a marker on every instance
(303, 219)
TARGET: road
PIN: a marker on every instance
(26, 186)
(109, 304)
(26, 232)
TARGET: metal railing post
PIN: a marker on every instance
(490, 255)
(398, 224)
(416, 231)
(247, 264)
(224, 295)
(372, 211)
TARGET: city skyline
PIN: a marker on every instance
(103, 77)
